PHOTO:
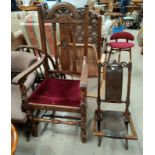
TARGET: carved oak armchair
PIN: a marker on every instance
(54, 93)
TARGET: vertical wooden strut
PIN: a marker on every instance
(55, 45)
(99, 82)
(72, 39)
(43, 38)
(128, 91)
(99, 38)
(86, 30)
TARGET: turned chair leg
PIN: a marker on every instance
(130, 55)
(99, 138)
(126, 144)
(30, 129)
(27, 130)
(32, 124)
(110, 54)
(99, 141)
(27, 133)
(34, 129)
(83, 124)
(126, 140)
(119, 56)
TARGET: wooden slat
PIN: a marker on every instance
(55, 107)
(85, 26)
(95, 132)
(134, 134)
(55, 121)
(74, 46)
(43, 40)
(64, 46)
(60, 116)
(99, 37)
(64, 20)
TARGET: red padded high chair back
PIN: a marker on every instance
(122, 35)
(120, 45)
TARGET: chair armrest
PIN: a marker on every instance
(102, 59)
(84, 73)
(20, 78)
(30, 80)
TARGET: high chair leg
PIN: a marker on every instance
(109, 54)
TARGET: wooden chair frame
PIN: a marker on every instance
(127, 117)
(51, 17)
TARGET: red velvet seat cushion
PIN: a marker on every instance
(57, 92)
(121, 45)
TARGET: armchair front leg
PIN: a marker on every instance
(83, 106)
(83, 123)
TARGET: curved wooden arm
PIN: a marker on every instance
(84, 73)
(20, 78)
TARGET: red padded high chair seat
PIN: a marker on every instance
(121, 45)
(49, 92)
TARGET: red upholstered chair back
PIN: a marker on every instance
(122, 35)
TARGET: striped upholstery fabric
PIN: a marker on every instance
(17, 17)
(31, 33)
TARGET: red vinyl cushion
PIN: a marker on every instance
(121, 45)
(57, 92)
(122, 35)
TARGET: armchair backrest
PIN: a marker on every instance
(32, 35)
(65, 15)
(30, 29)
